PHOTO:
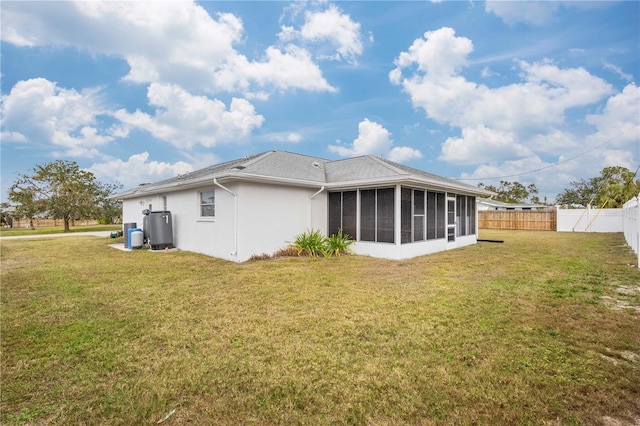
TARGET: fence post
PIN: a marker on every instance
(638, 228)
(631, 224)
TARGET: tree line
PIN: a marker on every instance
(61, 190)
(615, 186)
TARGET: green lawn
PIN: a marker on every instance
(542, 329)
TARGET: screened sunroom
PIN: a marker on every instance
(402, 221)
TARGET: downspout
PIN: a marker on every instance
(235, 214)
(309, 205)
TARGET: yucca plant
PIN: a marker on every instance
(337, 244)
(311, 243)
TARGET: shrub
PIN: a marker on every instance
(337, 244)
(311, 243)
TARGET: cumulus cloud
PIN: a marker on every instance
(138, 169)
(184, 120)
(481, 144)
(499, 123)
(374, 139)
(525, 125)
(40, 111)
(436, 85)
(167, 42)
(618, 125)
(402, 154)
(331, 26)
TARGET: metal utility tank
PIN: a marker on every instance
(137, 239)
(160, 230)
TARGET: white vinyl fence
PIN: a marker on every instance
(589, 220)
(631, 224)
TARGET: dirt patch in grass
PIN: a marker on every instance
(514, 333)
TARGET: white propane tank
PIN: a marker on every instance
(137, 239)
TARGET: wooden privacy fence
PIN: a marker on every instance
(525, 220)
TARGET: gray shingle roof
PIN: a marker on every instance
(305, 170)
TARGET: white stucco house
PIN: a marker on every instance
(259, 204)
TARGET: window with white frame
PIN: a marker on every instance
(207, 204)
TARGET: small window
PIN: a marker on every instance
(207, 204)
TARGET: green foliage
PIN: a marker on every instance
(313, 244)
(614, 187)
(61, 190)
(337, 244)
(513, 192)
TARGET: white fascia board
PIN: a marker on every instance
(409, 181)
(247, 177)
(169, 187)
(226, 177)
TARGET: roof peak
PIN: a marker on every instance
(305, 170)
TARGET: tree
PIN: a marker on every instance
(614, 187)
(61, 190)
(513, 192)
(22, 193)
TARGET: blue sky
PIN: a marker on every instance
(483, 91)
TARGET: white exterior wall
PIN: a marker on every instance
(265, 219)
(409, 250)
(210, 236)
(589, 220)
(271, 216)
(132, 209)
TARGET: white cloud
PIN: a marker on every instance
(329, 25)
(618, 128)
(531, 12)
(538, 103)
(374, 139)
(439, 54)
(623, 75)
(522, 126)
(40, 111)
(481, 144)
(402, 154)
(534, 13)
(184, 120)
(292, 68)
(486, 72)
(290, 137)
(167, 42)
(495, 123)
(138, 169)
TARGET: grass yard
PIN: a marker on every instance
(543, 329)
(17, 232)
